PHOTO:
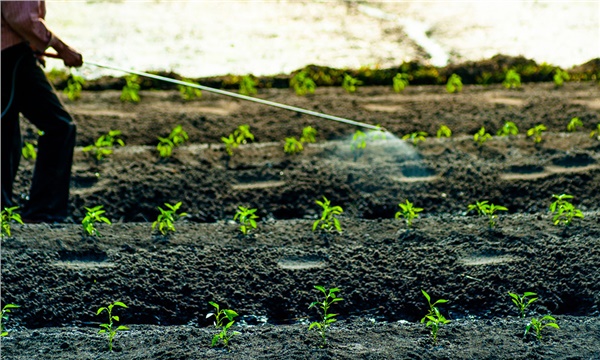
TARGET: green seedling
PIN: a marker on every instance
(104, 145)
(165, 147)
(512, 80)
(481, 136)
(415, 137)
(400, 82)
(309, 135)
(596, 133)
(292, 146)
(240, 136)
(536, 133)
(223, 321)
(130, 92)
(358, 144)
(539, 325)
(454, 84)
(92, 216)
(434, 318)
(328, 221)
(246, 218)
(74, 87)
(165, 222)
(303, 84)
(408, 212)
(9, 216)
(523, 301)
(176, 138)
(573, 124)
(28, 151)
(111, 328)
(350, 84)
(484, 208)
(248, 86)
(563, 211)
(444, 131)
(189, 93)
(509, 128)
(327, 318)
(4, 317)
(560, 77)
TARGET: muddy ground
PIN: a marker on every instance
(60, 277)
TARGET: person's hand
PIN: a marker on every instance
(71, 57)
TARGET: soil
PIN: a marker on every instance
(61, 277)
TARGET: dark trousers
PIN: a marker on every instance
(26, 90)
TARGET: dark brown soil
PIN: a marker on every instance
(60, 277)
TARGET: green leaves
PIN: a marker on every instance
(302, 83)
(536, 133)
(408, 212)
(327, 318)
(4, 317)
(28, 151)
(94, 215)
(509, 128)
(415, 137)
(484, 208)
(563, 211)
(176, 138)
(573, 124)
(187, 92)
(9, 216)
(522, 302)
(74, 87)
(223, 321)
(328, 221)
(481, 136)
(246, 217)
(350, 84)
(165, 222)
(292, 146)
(248, 86)
(400, 82)
(434, 318)
(110, 328)
(240, 136)
(539, 325)
(444, 131)
(130, 92)
(512, 79)
(454, 84)
(560, 77)
(104, 144)
(596, 133)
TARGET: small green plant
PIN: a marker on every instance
(539, 325)
(248, 86)
(358, 144)
(536, 133)
(302, 83)
(309, 135)
(596, 133)
(187, 92)
(177, 137)
(292, 146)
(110, 328)
(560, 77)
(241, 135)
(223, 321)
(408, 212)
(328, 221)
(165, 222)
(4, 317)
(523, 301)
(104, 145)
(509, 128)
(350, 84)
(327, 318)
(28, 151)
(246, 218)
(434, 318)
(512, 80)
(444, 131)
(400, 82)
(9, 216)
(74, 87)
(484, 208)
(92, 216)
(130, 92)
(481, 136)
(454, 84)
(563, 211)
(415, 137)
(573, 124)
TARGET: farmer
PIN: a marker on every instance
(26, 90)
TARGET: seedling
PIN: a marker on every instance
(536, 133)
(103, 146)
(246, 218)
(560, 77)
(484, 208)
(130, 92)
(223, 321)
(596, 133)
(539, 325)
(28, 151)
(247, 86)
(92, 216)
(292, 146)
(177, 137)
(9, 216)
(454, 84)
(74, 87)
(328, 221)
(241, 135)
(509, 128)
(564, 212)
(415, 137)
(434, 317)
(309, 135)
(165, 222)
(481, 136)
(512, 80)
(444, 131)
(4, 317)
(111, 329)
(187, 92)
(408, 212)
(358, 144)
(302, 83)
(573, 124)
(327, 318)
(400, 82)
(350, 84)
(522, 302)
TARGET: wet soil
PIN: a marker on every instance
(60, 277)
